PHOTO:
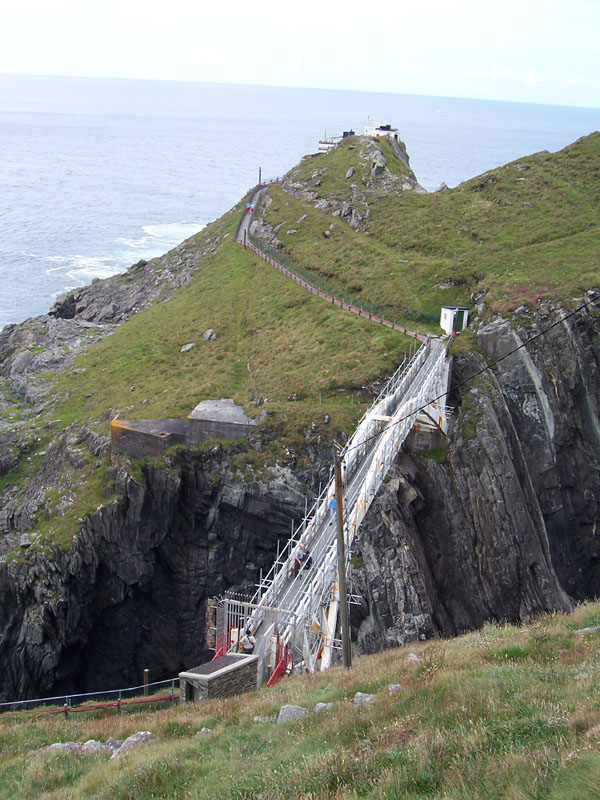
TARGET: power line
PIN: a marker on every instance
(479, 372)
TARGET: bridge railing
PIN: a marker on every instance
(319, 511)
(311, 588)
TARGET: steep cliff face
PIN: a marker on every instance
(132, 592)
(507, 525)
(500, 524)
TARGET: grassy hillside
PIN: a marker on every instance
(274, 340)
(525, 231)
(504, 712)
(519, 233)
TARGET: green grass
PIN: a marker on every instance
(274, 340)
(525, 231)
(503, 712)
(324, 175)
(352, 265)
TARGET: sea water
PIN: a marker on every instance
(96, 174)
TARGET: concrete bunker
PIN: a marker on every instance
(210, 419)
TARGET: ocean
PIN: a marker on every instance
(96, 174)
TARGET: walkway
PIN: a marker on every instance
(294, 617)
(243, 237)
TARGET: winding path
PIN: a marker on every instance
(243, 237)
(294, 614)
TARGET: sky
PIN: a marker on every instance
(534, 51)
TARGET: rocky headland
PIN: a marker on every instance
(500, 524)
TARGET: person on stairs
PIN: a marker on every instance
(302, 558)
(248, 642)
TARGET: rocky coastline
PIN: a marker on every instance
(499, 525)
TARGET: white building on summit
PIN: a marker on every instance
(377, 130)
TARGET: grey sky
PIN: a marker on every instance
(538, 51)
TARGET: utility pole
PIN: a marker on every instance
(260, 176)
(341, 558)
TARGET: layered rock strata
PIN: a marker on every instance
(503, 523)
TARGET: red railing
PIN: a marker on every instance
(220, 652)
(67, 709)
(282, 658)
(331, 299)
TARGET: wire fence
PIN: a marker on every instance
(66, 704)
(318, 282)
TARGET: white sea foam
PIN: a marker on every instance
(83, 269)
(163, 235)
(157, 239)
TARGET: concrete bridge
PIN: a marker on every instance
(294, 616)
(294, 613)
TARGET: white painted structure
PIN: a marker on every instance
(378, 130)
(454, 319)
(327, 143)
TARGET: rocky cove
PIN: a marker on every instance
(500, 524)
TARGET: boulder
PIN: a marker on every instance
(362, 698)
(135, 740)
(290, 712)
(93, 746)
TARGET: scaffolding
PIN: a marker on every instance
(293, 614)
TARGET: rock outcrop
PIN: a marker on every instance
(505, 527)
(132, 591)
(372, 178)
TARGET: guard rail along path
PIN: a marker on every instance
(242, 236)
(293, 614)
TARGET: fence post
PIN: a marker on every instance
(119, 708)
(66, 709)
(146, 673)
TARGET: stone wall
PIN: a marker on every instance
(232, 674)
(146, 437)
(198, 430)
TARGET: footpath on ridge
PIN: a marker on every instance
(243, 237)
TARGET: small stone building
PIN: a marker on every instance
(234, 673)
(211, 419)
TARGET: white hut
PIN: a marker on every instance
(454, 319)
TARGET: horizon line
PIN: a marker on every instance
(292, 88)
